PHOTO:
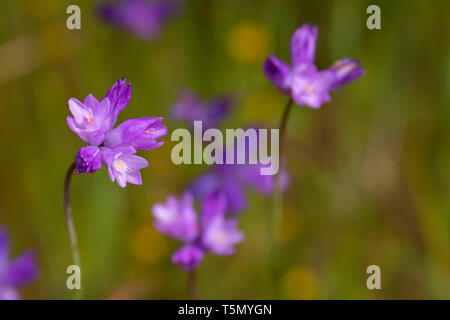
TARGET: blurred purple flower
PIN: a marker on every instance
(93, 121)
(188, 256)
(307, 85)
(189, 107)
(233, 180)
(177, 218)
(213, 233)
(15, 273)
(144, 18)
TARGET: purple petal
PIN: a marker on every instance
(278, 72)
(188, 257)
(135, 162)
(345, 71)
(135, 177)
(91, 102)
(100, 112)
(303, 45)
(140, 133)
(21, 271)
(79, 111)
(119, 95)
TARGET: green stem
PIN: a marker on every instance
(191, 285)
(277, 204)
(70, 225)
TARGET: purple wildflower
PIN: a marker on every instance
(189, 108)
(144, 18)
(15, 273)
(93, 122)
(213, 233)
(307, 85)
(123, 165)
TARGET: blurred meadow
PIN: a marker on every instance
(370, 171)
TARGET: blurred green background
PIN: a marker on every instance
(370, 170)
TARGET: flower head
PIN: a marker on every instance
(214, 233)
(94, 120)
(144, 18)
(188, 257)
(177, 218)
(89, 119)
(123, 165)
(219, 234)
(14, 273)
(307, 85)
(189, 108)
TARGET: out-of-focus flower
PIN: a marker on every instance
(248, 43)
(300, 283)
(233, 179)
(144, 18)
(303, 81)
(211, 233)
(189, 108)
(14, 273)
(177, 218)
(188, 256)
(93, 121)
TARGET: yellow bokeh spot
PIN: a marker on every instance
(148, 246)
(248, 43)
(300, 283)
(262, 106)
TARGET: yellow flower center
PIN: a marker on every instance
(220, 237)
(309, 88)
(119, 165)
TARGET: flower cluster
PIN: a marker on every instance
(303, 81)
(211, 232)
(144, 18)
(93, 122)
(14, 273)
(189, 107)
